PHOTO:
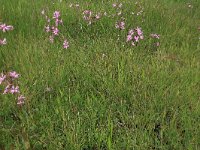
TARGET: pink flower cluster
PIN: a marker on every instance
(89, 17)
(134, 36)
(120, 25)
(52, 27)
(4, 28)
(8, 81)
(3, 42)
(65, 44)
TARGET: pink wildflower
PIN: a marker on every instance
(131, 32)
(139, 31)
(134, 35)
(55, 30)
(3, 42)
(14, 74)
(56, 22)
(14, 89)
(65, 44)
(136, 38)
(56, 14)
(2, 78)
(7, 89)
(5, 27)
(87, 14)
(120, 25)
(47, 28)
(129, 38)
(20, 100)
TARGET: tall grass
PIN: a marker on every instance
(102, 93)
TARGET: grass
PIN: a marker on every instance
(105, 94)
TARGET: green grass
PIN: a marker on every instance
(104, 94)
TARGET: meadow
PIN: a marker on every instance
(100, 75)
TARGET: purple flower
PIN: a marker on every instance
(14, 89)
(131, 32)
(65, 44)
(136, 38)
(7, 89)
(20, 100)
(2, 78)
(56, 22)
(87, 14)
(13, 74)
(55, 30)
(134, 35)
(129, 38)
(56, 14)
(120, 25)
(47, 28)
(3, 42)
(139, 31)
(5, 27)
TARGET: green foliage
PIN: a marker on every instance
(102, 93)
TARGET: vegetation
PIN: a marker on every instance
(100, 91)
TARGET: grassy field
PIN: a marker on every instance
(102, 92)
